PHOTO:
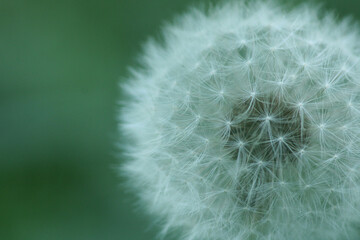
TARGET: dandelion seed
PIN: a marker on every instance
(245, 125)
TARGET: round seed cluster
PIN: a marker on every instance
(245, 124)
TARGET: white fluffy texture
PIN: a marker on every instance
(245, 125)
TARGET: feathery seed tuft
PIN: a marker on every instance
(245, 125)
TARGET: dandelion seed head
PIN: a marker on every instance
(244, 124)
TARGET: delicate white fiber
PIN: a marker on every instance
(245, 124)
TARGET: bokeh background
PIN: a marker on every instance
(60, 66)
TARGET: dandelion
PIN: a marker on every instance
(245, 124)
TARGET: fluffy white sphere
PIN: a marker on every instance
(245, 123)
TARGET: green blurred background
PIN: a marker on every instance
(60, 66)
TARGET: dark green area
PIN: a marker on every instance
(60, 66)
